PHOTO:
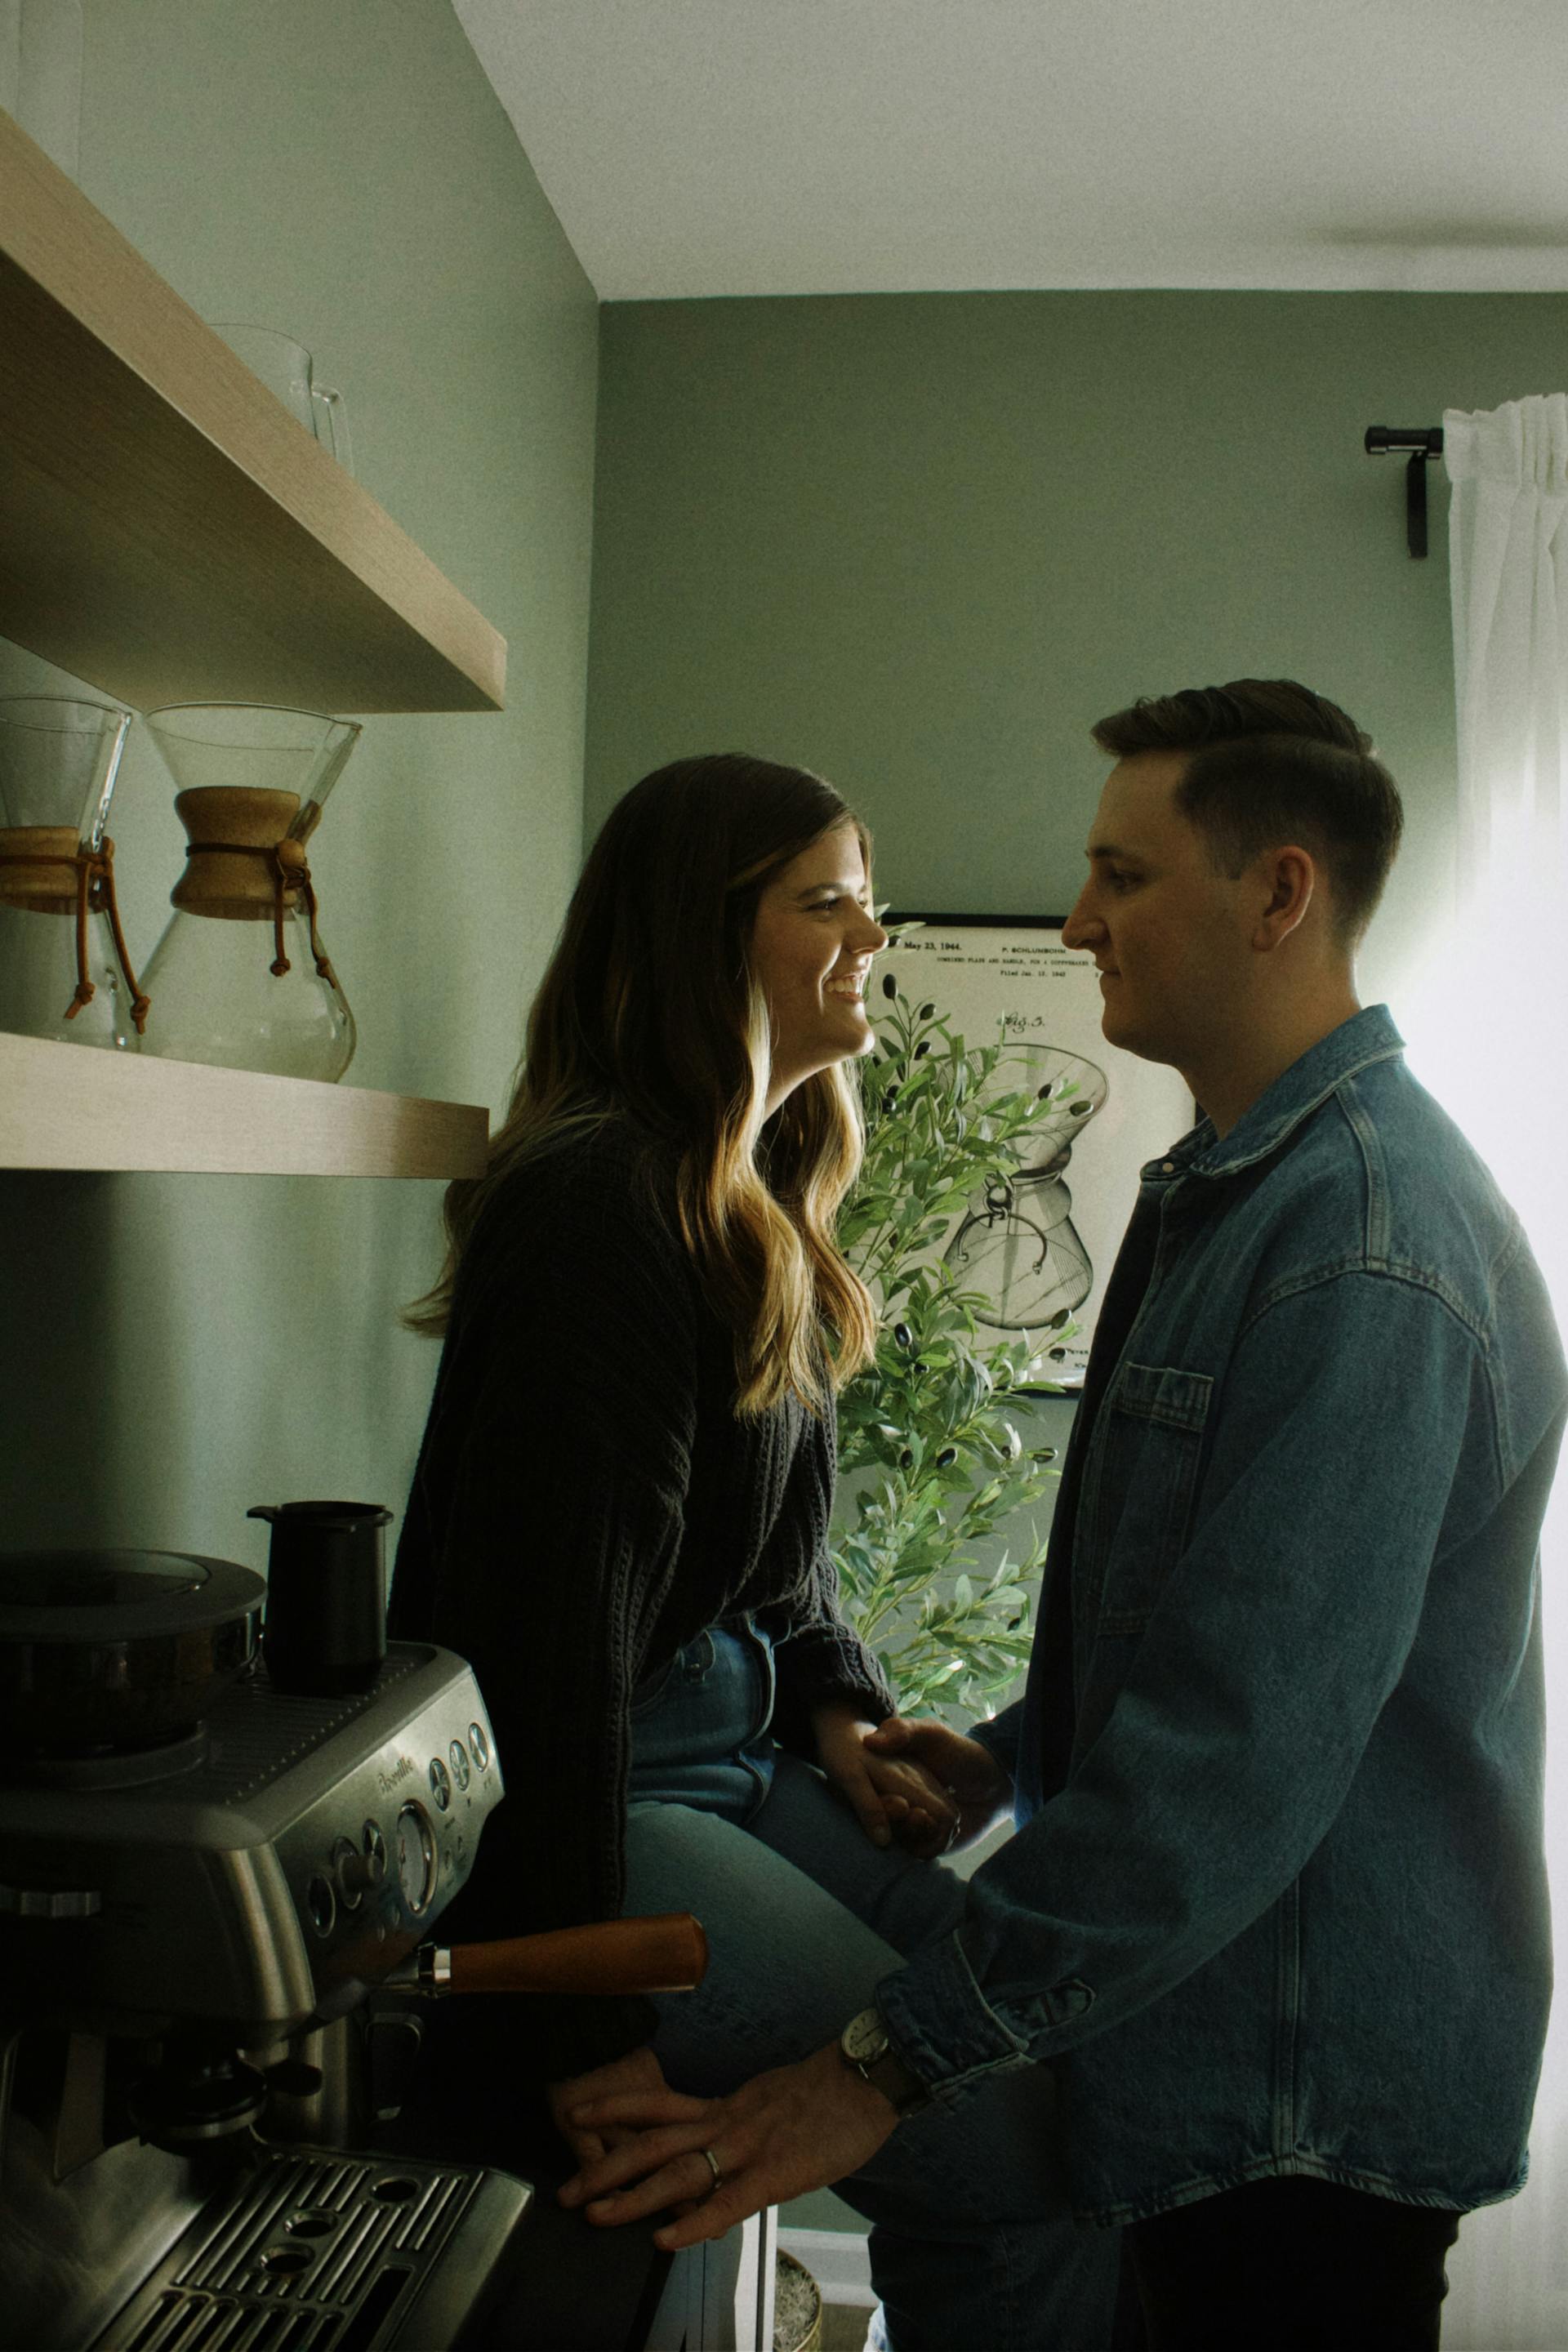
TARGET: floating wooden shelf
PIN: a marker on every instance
(86, 1107)
(168, 531)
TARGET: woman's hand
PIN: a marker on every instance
(637, 2076)
(890, 1794)
(795, 2128)
(967, 1772)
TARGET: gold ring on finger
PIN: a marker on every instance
(712, 2163)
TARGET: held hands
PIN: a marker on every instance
(718, 2160)
(891, 1795)
(969, 1775)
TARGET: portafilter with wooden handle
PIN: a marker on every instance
(664, 1953)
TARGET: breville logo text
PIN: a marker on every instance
(389, 1780)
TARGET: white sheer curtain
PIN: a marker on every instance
(1492, 1039)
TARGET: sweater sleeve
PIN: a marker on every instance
(817, 1655)
(542, 1532)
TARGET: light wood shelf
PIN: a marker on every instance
(87, 1107)
(168, 532)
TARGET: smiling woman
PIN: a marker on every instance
(620, 1517)
(812, 946)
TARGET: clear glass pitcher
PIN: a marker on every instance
(289, 372)
(241, 976)
(64, 970)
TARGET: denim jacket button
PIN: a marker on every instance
(1069, 2000)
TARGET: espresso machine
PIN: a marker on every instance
(215, 1903)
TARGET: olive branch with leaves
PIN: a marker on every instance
(931, 1421)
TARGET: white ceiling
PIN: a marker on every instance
(708, 147)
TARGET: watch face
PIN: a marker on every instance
(864, 2039)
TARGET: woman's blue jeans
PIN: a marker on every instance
(973, 2248)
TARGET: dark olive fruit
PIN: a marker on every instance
(889, 985)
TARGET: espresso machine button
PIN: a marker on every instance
(479, 1746)
(50, 1901)
(322, 1904)
(440, 1784)
(458, 1756)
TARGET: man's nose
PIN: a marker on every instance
(1083, 926)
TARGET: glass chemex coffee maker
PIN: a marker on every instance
(207, 1883)
(240, 975)
(64, 970)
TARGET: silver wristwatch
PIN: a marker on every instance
(863, 2044)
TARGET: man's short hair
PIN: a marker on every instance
(1270, 761)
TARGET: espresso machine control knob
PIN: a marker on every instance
(358, 1871)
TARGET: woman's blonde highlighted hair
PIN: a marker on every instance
(650, 1007)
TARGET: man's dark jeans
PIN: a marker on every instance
(1293, 2265)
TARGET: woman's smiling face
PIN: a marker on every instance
(811, 950)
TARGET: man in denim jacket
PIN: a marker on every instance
(1275, 1911)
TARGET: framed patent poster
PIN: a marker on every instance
(1040, 1242)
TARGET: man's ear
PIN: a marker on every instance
(1289, 878)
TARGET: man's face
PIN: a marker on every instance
(1171, 935)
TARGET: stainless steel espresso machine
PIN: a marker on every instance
(206, 1885)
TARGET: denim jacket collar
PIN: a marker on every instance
(1366, 1037)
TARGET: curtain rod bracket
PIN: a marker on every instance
(1423, 442)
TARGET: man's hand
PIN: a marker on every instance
(638, 2074)
(783, 2133)
(968, 1771)
(891, 1796)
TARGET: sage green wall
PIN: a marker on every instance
(923, 542)
(177, 1348)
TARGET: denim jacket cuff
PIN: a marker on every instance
(941, 2023)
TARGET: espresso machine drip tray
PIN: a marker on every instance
(318, 2253)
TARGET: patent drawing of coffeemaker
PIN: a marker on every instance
(1017, 1243)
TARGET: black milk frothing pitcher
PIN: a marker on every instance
(325, 1630)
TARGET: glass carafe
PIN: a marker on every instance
(64, 972)
(241, 976)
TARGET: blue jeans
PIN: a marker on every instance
(972, 2241)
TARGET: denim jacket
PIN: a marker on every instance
(1281, 1908)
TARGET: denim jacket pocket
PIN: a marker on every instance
(1149, 1443)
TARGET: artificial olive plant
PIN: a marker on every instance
(932, 1422)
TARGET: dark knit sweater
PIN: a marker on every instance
(586, 1501)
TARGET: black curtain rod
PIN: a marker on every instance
(1423, 442)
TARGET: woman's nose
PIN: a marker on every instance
(870, 935)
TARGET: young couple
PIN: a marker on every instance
(1210, 2018)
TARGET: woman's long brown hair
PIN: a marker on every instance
(649, 1006)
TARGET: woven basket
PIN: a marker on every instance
(797, 2308)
